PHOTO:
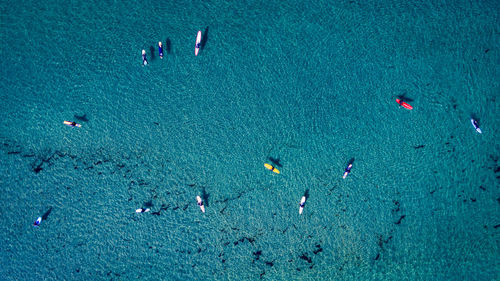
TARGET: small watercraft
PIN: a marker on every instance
(144, 59)
(142, 210)
(347, 171)
(302, 204)
(271, 168)
(404, 104)
(476, 125)
(160, 50)
(200, 203)
(198, 43)
(71, 124)
(37, 222)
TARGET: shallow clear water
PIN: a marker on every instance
(310, 84)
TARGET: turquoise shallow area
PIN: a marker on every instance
(309, 83)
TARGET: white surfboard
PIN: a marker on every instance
(302, 203)
(197, 45)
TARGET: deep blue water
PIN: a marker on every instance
(310, 85)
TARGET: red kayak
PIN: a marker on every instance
(404, 104)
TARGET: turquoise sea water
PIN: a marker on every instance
(309, 84)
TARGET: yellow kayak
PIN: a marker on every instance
(271, 168)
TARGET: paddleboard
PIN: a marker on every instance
(271, 168)
(37, 222)
(476, 127)
(200, 203)
(404, 104)
(197, 45)
(71, 124)
(302, 203)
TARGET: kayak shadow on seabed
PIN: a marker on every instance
(350, 161)
(404, 98)
(276, 161)
(204, 39)
(205, 196)
(46, 214)
(82, 118)
(152, 51)
(474, 116)
(148, 204)
(168, 44)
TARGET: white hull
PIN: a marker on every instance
(302, 201)
(197, 45)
